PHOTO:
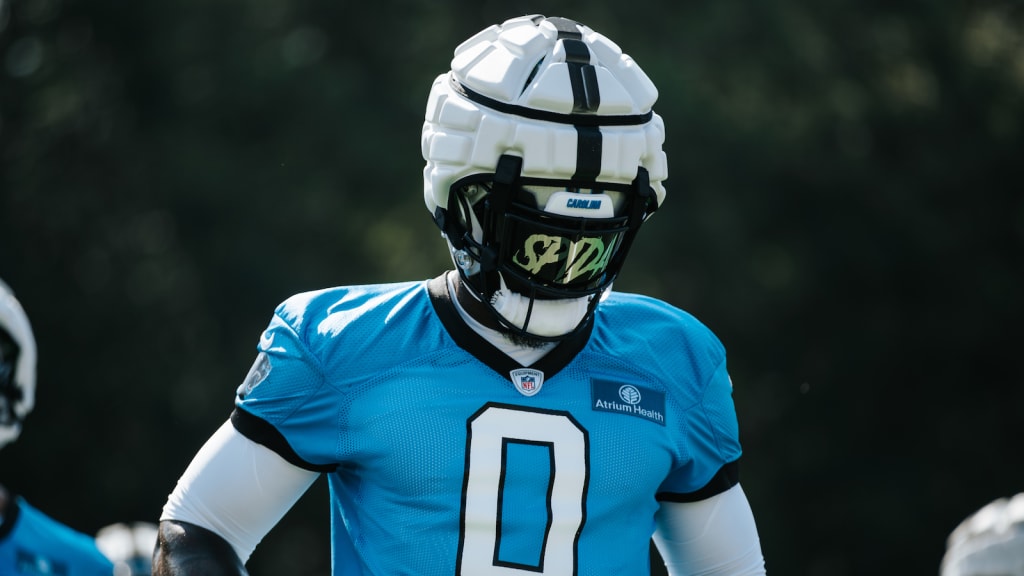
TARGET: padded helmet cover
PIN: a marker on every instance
(559, 95)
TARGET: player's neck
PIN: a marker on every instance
(479, 319)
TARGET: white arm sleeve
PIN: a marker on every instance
(713, 537)
(238, 489)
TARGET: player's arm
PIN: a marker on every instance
(716, 536)
(184, 548)
(232, 494)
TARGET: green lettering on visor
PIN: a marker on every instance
(564, 261)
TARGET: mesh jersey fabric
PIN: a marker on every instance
(438, 464)
(33, 543)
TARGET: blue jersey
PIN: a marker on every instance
(446, 457)
(32, 543)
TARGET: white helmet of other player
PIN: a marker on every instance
(17, 366)
(989, 542)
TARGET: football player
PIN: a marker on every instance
(30, 541)
(515, 415)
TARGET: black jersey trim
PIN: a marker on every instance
(10, 515)
(551, 363)
(726, 477)
(262, 432)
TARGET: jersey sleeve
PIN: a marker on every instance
(31, 538)
(712, 443)
(284, 402)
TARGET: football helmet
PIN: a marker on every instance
(989, 541)
(17, 366)
(543, 158)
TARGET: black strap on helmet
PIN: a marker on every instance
(506, 178)
(504, 183)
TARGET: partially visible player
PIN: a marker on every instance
(514, 416)
(31, 542)
(989, 542)
(130, 546)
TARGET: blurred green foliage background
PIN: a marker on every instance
(845, 210)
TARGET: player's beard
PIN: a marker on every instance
(525, 341)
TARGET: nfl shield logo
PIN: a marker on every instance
(527, 380)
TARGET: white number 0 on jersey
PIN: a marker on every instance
(490, 431)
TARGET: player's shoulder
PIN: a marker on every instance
(311, 308)
(363, 320)
(673, 341)
(626, 310)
